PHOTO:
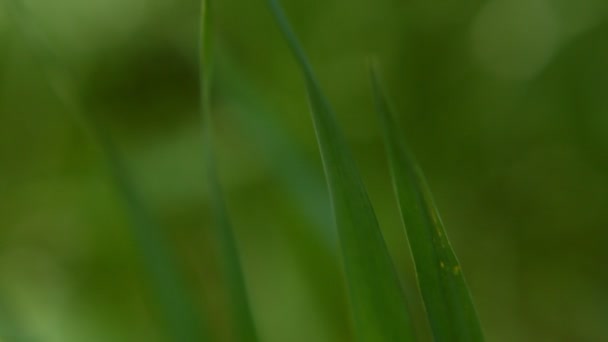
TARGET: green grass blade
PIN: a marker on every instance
(244, 326)
(180, 316)
(378, 302)
(179, 313)
(448, 303)
(314, 241)
(280, 150)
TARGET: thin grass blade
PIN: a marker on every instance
(314, 241)
(446, 296)
(244, 326)
(378, 302)
(281, 151)
(180, 316)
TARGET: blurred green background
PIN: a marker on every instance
(505, 103)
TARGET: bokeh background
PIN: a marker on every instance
(504, 102)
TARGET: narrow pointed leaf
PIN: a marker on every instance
(378, 302)
(281, 152)
(446, 297)
(180, 316)
(244, 327)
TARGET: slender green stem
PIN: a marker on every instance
(244, 328)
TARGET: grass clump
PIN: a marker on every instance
(378, 307)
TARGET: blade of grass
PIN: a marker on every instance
(378, 302)
(314, 243)
(306, 188)
(180, 316)
(244, 326)
(283, 154)
(446, 296)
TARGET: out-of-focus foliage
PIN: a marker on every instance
(504, 103)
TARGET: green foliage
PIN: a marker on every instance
(243, 324)
(377, 302)
(182, 319)
(377, 299)
(448, 303)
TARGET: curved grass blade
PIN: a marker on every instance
(244, 326)
(180, 316)
(314, 243)
(281, 151)
(446, 296)
(378, 302)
